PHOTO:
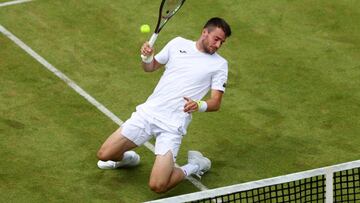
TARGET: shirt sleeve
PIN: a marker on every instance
(163, 56)
(219, 79)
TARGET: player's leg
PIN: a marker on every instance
(115, 152)
(114, 147)
(164, 174)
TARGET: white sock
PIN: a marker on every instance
(189, 169)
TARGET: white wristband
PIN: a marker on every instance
(202, 106)
(147, 59)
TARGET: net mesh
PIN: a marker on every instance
(305, 190)
(337, 183)
(346, 188)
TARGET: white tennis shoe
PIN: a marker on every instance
(132, 159)
(196, 158)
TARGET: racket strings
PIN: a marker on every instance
(171, 7)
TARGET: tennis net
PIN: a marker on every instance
(337, 183)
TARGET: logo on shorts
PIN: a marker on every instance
(183, 51)
(224, 85)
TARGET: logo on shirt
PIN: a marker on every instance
(183, 51)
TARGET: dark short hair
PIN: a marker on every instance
(219, 23)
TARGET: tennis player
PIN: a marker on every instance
(192, 69)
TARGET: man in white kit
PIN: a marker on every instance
(191, 70)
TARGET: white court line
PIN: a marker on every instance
(79, 90)
(13, 2)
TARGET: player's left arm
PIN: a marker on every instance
(213, 103)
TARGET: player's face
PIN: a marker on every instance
(212, 39)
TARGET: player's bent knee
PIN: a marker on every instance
(102, 155)
(158, 187)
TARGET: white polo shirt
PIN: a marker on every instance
(188, 73)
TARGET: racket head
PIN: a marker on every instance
(168, 9)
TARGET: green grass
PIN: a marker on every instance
(49, 138)
(292, 102)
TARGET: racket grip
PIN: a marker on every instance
(153, 39)
(148, 59)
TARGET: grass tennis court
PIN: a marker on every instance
(292, 102)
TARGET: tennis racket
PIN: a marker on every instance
(168, 8)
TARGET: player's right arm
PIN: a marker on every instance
(152, 65)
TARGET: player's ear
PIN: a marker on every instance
(205, 32)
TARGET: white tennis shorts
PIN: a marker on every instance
(140, 128)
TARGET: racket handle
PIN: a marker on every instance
(148, 59)
(153, 39)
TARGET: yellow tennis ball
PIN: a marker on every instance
(145, 28)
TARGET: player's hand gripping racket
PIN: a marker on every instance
(168, 9)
